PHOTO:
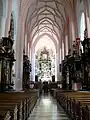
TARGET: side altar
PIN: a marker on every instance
(6, 62)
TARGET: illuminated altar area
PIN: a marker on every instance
(45, 54)
(45, 64)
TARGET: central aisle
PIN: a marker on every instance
(47, 108)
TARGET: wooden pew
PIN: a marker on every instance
(76, 104)
(17, 110)
(5, 115)
(24, 101)
(16, 101)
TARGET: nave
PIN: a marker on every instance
(47, 108)
(44, 45)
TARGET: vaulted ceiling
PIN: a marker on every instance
(46, 16)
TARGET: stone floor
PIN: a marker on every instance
(47, 108)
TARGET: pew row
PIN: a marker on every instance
(76, 104)
(17, 105)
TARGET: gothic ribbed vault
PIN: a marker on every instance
(46, 17)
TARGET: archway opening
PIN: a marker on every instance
(45, 60)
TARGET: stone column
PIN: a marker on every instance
(33, 64)
(19, 56)
(7, 24)
(58, 62)
(2, 20)
(66, 44)
(64, 41)
(63, 53)
(28, 50)
(61, 50)
(87, 19)
(72, 36)
(68, 36)
(25, 44)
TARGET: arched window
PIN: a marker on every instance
(82, 26)
(62, 51)
(82, 29)
(66, 42)
(60, 56)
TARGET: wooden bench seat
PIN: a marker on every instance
(12, 109)
(76, 104)
(76, 108)
(5, 115)
(11, 103)
(17, 105)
